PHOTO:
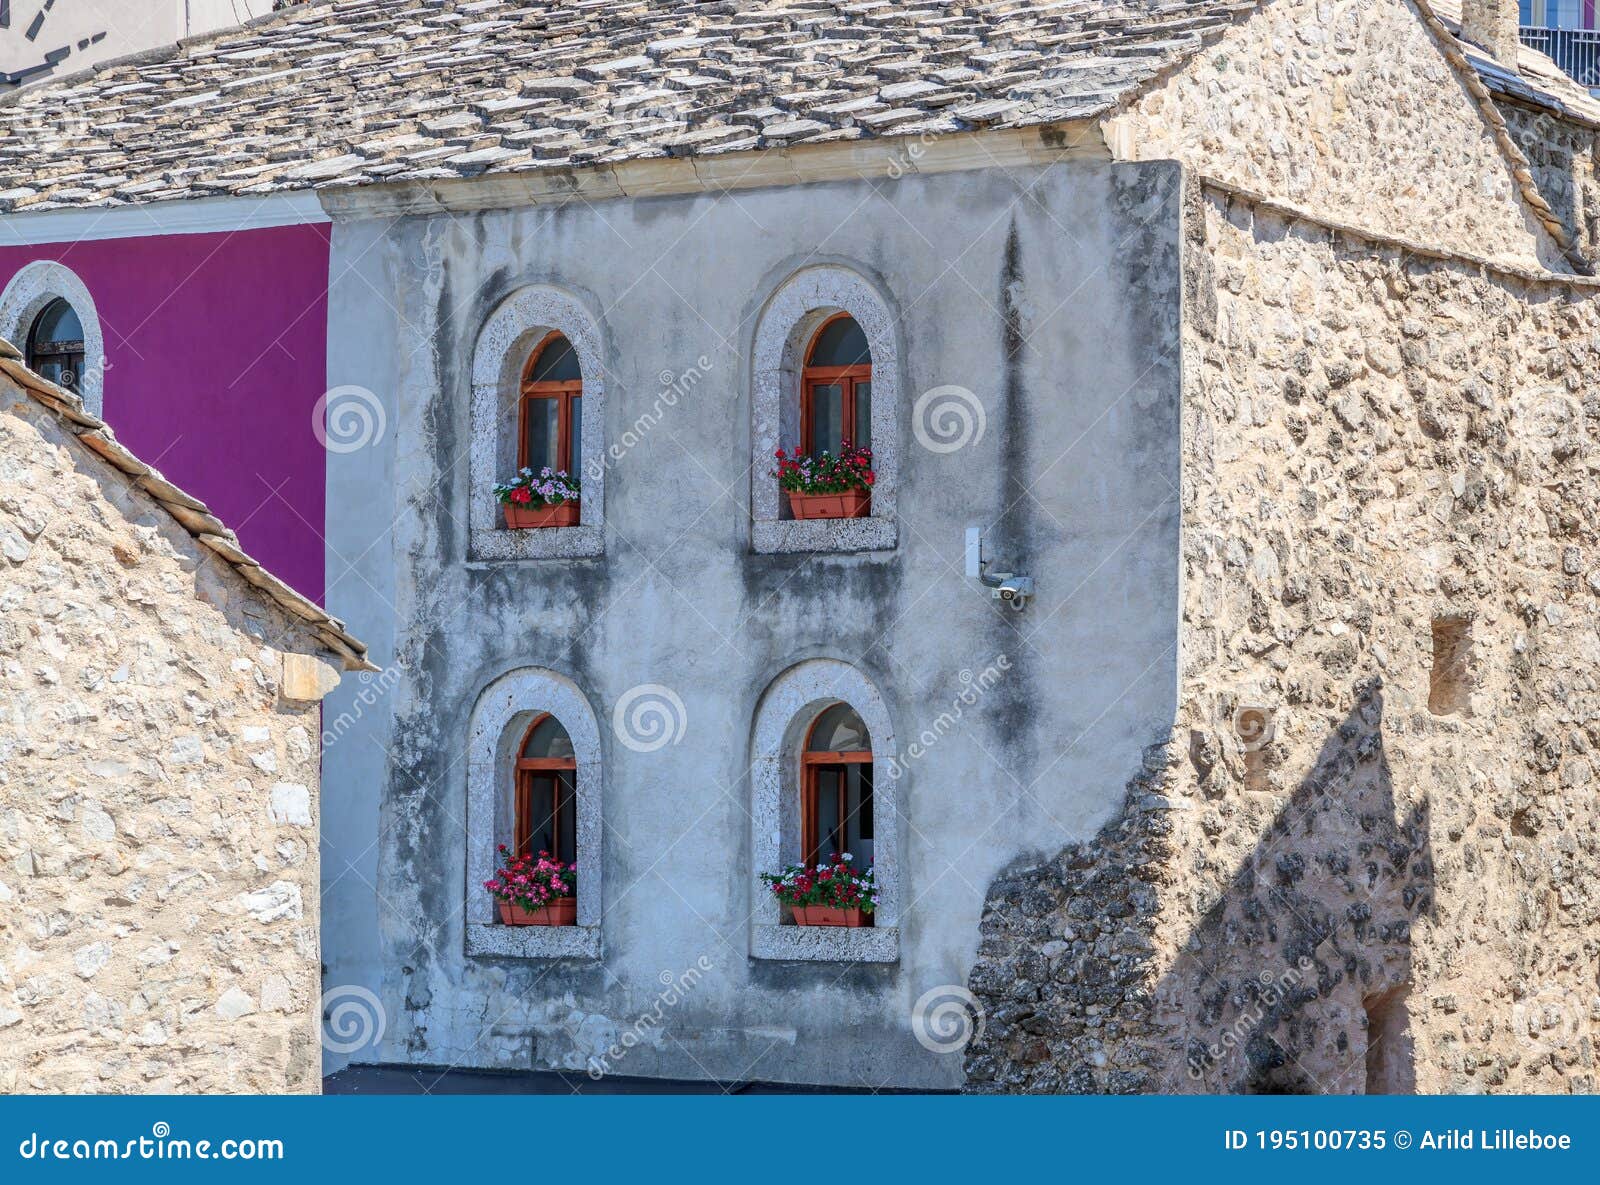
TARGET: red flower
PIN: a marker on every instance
(522, 495)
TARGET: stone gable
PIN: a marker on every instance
(1351, 112)
(158, 791)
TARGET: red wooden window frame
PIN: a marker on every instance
(565, 392)
(843, 377)
(526, 770)
(812, 763)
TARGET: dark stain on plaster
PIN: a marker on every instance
(832, 977)
(427, 787)
(1011, 708)
(786, 590)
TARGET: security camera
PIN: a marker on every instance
(1013, 590)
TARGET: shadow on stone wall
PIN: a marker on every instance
(1272, 990)
(1096, 975)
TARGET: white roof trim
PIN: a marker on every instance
(190, 217)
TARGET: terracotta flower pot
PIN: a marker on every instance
(828, 915)
(563, 911)
(854, 504)
(520, 516)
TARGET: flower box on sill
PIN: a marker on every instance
(853, 504)
(548, 498)
(830, 893)
(534, 890)
(828, 915)
(521, 517)
(562, 911)
(825, 486)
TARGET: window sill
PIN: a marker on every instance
(542, 543)
(825, 944)
(533, 942)
(824, 535)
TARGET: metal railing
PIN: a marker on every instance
(1576, 51)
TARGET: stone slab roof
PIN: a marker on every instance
(1536, 80)
(191, 514)
(366, 91)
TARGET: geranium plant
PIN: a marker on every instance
(547, 487)
(835, 884)
(801, 473)
(532, 882)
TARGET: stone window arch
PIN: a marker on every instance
(510, 337)
(785, 716)
(500, 723)
(787, 326)
(34, 289)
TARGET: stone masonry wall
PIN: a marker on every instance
(158, 798)
(1350, 110)
(1382, 841)
(1561, 153)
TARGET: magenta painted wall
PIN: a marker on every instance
(216, 354)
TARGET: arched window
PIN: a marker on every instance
(836, 388)
(550, 429)
(55, 346)
(546, 802)
(836, 788)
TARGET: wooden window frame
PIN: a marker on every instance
(811, 764)
(564, 392)
(843, 377)
(71, 350)
(526, 769)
